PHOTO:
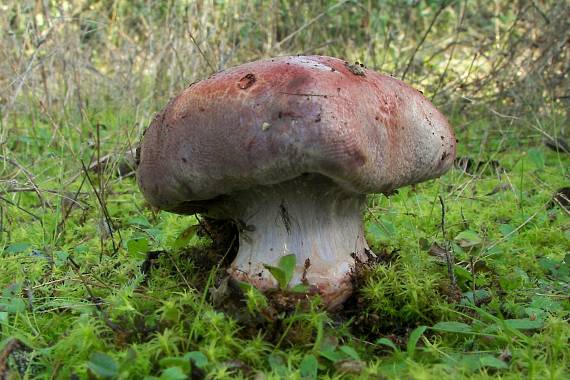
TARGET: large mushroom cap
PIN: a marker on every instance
(287, 148)
(269, 121)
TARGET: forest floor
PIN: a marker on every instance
(94, 284)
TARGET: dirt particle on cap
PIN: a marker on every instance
(356, 68)
(265, 126)
(247, 81)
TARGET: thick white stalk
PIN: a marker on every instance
(311, 217)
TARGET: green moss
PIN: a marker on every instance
(65, 313)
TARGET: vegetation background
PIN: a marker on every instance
(94, 284)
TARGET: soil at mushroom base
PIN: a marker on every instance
(274, 319)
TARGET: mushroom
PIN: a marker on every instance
(288, 148)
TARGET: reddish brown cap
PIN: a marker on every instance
(270, 121)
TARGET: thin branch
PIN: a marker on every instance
(309, 23)
(29, 175)
(443, 5)
(103, 207)
(201, 52)
(22, 209)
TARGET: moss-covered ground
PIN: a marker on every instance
(95, 284)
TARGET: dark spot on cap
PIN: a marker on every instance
(444, 156)
(184, 160)
(247, 81)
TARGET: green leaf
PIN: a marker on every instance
(468, 239)
(351, 352)
(413, 340)
(17, 248)
(387, 342)
(300, 288)
(13, 305)
(536, 157)
(546, 303)
(287, 265)
(453, 327)
(309, 367)
(173, 373)
(185, 236)
(492, 362)
(332, 355)
(469, 362)
(170, 361)
(198, 359)
(470, 297)
(279, 275)
(277, 364)
(60, 258)
(81, 249)
(103, 365)
(139, 221)
(137, 246)
(11, 301)
(524, 324)
(506, 229)
(558, 269)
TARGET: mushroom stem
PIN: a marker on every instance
(310, 216)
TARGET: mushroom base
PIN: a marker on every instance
(310, 216)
